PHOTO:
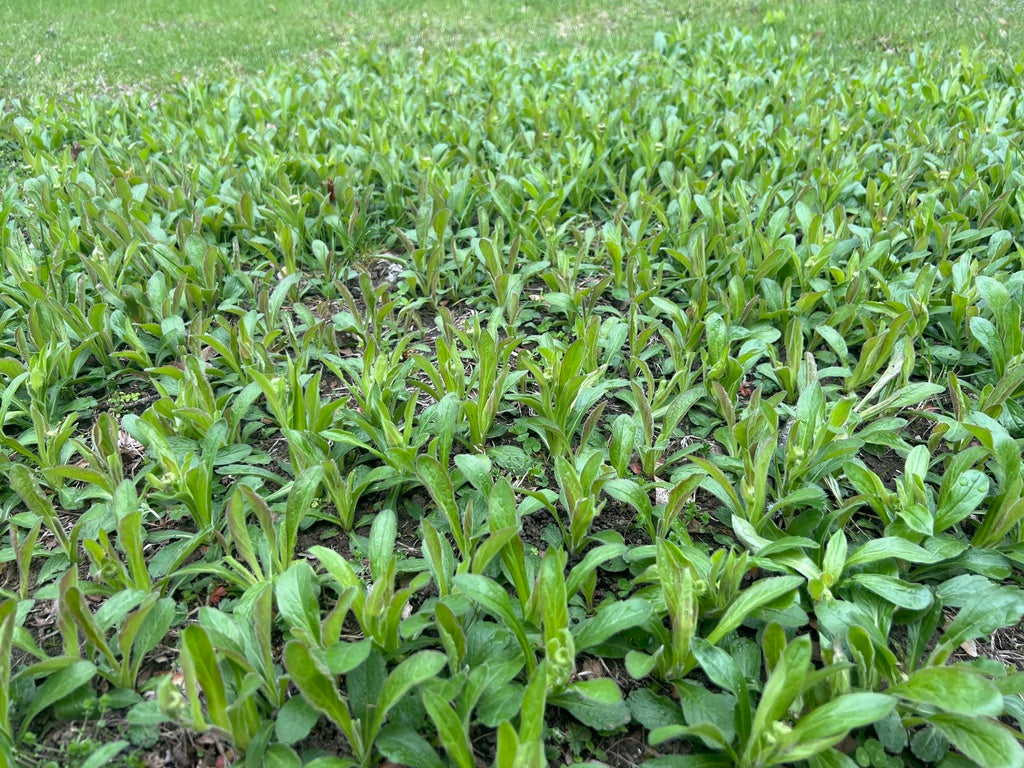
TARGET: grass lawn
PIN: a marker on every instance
(603, 386)
(64, 46)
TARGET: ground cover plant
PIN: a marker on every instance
(109, 46)
(659, 408)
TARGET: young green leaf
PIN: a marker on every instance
(65, 680)
(318, 689)
(610, 620)
(827, 725)
(749, 600)
(296, 594)
(952, 689)
(989, 744)
(454, 736)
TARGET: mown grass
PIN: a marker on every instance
(589, 400)
(60, 46)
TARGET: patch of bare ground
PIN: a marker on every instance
(1005, 645)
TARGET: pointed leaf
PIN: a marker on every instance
(827, 725)
(953, 689)
(757, 595)
(56, 687)
(610, 620)
(449, 728)
(915, 597)
(414, 670)
(890, 548)
(989, 744)
(316, 687)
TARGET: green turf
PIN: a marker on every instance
(64, 46)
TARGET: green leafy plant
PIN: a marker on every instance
(418, 394)
(759, 735)
(362, 714)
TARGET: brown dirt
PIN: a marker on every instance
(1005, 645)
(888, 466)
(173, 747)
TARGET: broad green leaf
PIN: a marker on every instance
(8, 620)
(240, 538)
(706, 760)
(749, 600)
(783, 686)
(892, 733)
(281, 756)
(915, 597)
(200, 662)
(59, 685)
(912, 394)
(154, 624)
(706, 732)
(610, 620)
(773, 645)
(595, 703)
(835, 555)
(453, 736)
(890, 548)
(507, 746)
(531, 725)
(640, 665)
(297, 600)
(502, 505)
(831, 758)
(989, 744)
(917, 518)
(295, 720)
(724, 672)
(300, 496)
(491, 546)
(719, 666)
(554, 602)
(316, 687)
(476, 469)
(929, 745)
(495, 600)
(953, 689)
(602, 690)
(652, 710)
(631, 493)
(28, 489)
(963, 496)
(403, 745)
(280, 293)
(383, 532)
(414, 670)
(985, 332)
(343, 657)
(590, 562)
(105, 753)
(453, 636)
(333, 762)
(700, 705)
(827, 725)
(623, 436)
(500, 704)
(439, 556)
(439, 485)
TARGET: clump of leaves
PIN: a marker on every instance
(442, 400)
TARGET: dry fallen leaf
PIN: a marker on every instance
(591, 669)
